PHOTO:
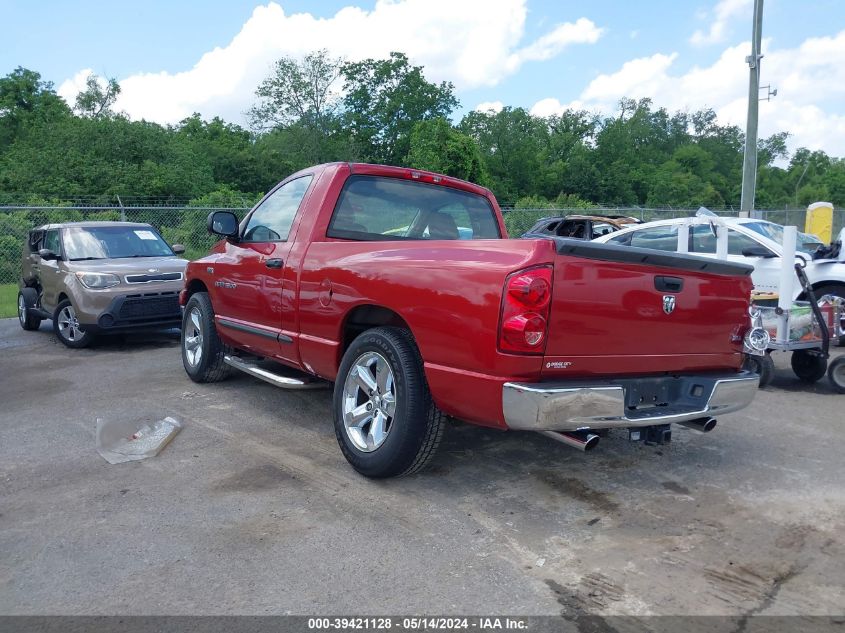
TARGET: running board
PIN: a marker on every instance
(285, 382)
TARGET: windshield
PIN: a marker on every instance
(109, 242)
(805, 241)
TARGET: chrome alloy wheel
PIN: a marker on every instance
(369, 401)
(21, 308)
(192, 338)
(69, 324)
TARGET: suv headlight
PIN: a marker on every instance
(98, 281)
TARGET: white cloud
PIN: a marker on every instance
(809, 79)
(583, 31)
(471, 43)
(487, 106)
(722, 15)
(73, 86)
(643, 76)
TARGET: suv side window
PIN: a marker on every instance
(51, 241)
(661, 238)
(272, 220)
(36, 239)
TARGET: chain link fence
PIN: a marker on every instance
(186, 225)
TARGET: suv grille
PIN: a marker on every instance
(163, 305)
(148, 277)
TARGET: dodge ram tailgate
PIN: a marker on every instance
(623, 310)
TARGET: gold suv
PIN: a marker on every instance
(94, 278)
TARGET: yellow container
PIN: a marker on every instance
(819, 221)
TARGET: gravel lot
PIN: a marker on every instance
(253, 510)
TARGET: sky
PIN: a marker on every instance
(176, 58)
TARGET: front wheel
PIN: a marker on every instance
(66, 326)
(385, 420)
(808, 366)
(27, 298)
(202, 349)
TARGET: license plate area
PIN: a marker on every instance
(646, 394)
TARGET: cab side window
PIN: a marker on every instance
(272, 220)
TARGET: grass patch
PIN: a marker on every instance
(8, 300)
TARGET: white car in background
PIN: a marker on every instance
(751, 241)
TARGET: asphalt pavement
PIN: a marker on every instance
(253, 510)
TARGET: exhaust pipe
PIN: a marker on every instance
(581, 440)
(705, 425)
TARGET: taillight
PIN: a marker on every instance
(526, 302)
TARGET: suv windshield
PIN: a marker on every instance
(109, 242)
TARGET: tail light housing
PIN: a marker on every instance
(526, 302)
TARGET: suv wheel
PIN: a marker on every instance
(384, 418)
(202, 349)
(66, 326)
(27, 298)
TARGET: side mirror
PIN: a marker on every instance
(223, 223)
(47, 254)
(757, 251)
(177, 249)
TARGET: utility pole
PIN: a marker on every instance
(749, 164)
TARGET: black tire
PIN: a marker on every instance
(27, 300)
(209, 367)
(808, 365)
(836, 374)
(836, 291)
(415, 428)
(66, 327)
(763, 365)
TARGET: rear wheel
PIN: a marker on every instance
(385, 420)
(836, 374)
(27, 299)
(202, 349)
(67, 328)
(763, 365)
(808, 365)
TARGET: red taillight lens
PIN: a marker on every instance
(532, 291)
(525, 311)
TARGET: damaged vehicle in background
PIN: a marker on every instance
(581, 227)
(95, 278)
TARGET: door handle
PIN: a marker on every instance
(275, 262)
(668, 284)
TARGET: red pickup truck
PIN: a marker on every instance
(401, 287)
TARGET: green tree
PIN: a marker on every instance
(383, 101)
(26, 100)
(301, 93)
(512, 144)
(436, 146)
(98, 97)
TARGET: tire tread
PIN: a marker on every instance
(215, 368)
(434, 420)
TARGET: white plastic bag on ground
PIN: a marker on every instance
(121, 441)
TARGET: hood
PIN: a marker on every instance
(130, 265)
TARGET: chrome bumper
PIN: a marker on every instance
(573, 406)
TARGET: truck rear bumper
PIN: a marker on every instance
(624, 403)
